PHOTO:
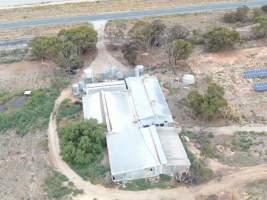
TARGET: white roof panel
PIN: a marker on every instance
(92, 107)
(127, 148)
(105, 86)
(172, 146)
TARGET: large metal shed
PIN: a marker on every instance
(141, 140)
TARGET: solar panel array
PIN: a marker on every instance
(260, 86)
(255, 73)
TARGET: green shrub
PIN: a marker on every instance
(208, 105)
(84, 37)
(261, 29)
(179, 49)
(34, 115)
(82, 143)
(44, 47)
(198, 170)
(221, 38)
(143, 184)
(68, 110)
(65, 50)
(264, 8)
(240, 15)
(95, 172)
(56, 188)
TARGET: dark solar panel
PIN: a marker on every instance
(260, 86)
(255, 73)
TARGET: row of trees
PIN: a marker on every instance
(66, 48)
(175, 40)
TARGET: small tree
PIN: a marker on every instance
(84, 37)
(221, 38)
(179, 49)
(261, 29)
(240, 15)
(264, 8)
(208, 105)
(44, 47)
(82, 143)
(177, 32)
(130, 51)
(68, 56)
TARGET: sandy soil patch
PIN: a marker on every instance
(23, 166)
(25, 75)
(36, 31)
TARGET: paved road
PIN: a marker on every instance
(131, 14)
(121, 15)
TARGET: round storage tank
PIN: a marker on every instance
(139, 70)
(81, 86)
(188, 79)
(75, 89)
(88, 73)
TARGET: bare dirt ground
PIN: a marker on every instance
(86, 8)
(226, 69)
(23, 166)
(35, 32)
(25, 75)
(230, 183)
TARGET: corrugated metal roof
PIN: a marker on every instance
(150, 104)
(173, 147)
(132, 147)
(92, 107)
(105, 86)
(128, 149)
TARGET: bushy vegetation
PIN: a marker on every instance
(144, 36)
(240, 15)
(261, 29)
(208, 105)
(143, 184)
(198, 170)
(34, 115)
(264, 8)
(82, 142)
(221, 39)
(179, 49)
(82, 146)
(44, 47)
(57, 186)
(68, 110)
(242, 141)
(84, 37)
(66, 48)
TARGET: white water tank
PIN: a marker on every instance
(89, 76)
(139, 70)
(75, 89)
(81, 86)
(188, 79)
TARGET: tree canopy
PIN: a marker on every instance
(208, 105)
(66, 48)
(82, 142)
(261, 29)
(221, 38)
(179, 49)
(84, 37)
(44, 47)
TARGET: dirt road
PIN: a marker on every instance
(230, 130)
(228, 182)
